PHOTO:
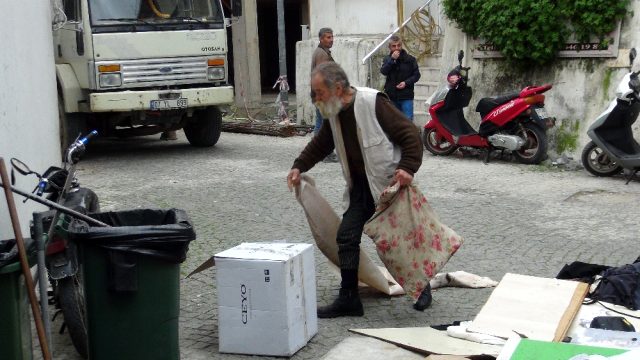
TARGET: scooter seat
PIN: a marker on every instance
(485, 105)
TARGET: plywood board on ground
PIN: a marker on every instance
(538, 308)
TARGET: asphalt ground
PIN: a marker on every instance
(515, 218)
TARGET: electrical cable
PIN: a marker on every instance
(419, 33)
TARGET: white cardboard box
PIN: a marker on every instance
(266, 298)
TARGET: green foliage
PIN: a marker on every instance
(531, 32)
(606, 82)
(566, 136)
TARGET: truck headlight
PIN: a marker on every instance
(110, 80)
(215, 73)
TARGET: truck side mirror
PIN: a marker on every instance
(632, 56)
(236, 8)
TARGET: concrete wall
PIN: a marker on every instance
(346, 51)
(582, 87)
(358, 25)
(28, 103)
(353, 17)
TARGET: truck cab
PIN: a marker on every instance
(141, 67)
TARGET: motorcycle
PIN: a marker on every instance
(61, 255)
(612, 147)
(517, 122)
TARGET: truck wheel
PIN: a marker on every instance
(203, 129)
(71, 125)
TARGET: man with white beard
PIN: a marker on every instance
(376, 146)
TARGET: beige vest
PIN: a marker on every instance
(381, 156)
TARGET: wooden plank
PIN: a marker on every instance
(572, 311)
(538, 308)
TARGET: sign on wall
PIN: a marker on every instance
(482, 49)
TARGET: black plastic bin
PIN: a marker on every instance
(131, 275)
(15, 322)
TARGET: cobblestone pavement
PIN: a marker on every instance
(515, 218)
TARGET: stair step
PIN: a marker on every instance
(432, 61)
(425, 88)
(429, 72)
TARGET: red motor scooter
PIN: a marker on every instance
(517, 122)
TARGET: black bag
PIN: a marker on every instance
(620, 286)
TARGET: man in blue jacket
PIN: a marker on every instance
(401, 70)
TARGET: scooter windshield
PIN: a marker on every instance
(616, 129)
(451, 115)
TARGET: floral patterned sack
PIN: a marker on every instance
(412, 243)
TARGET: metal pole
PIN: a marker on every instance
(24, 262)
(282, 53)
(57, 206)
(42, 273)
(364, 59)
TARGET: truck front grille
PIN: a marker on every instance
(161, 72)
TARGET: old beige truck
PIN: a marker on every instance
(141, 67)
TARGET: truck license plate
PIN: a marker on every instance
(542, 113)
(168, 104)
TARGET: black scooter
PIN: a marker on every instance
(60, 185)
(612, 147)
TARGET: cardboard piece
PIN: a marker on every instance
(266, 298)
(363, 347)
(430, 341)
(538, 308)
(527, 349)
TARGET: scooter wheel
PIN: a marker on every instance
(436, 143)
(535, 148)
(597, 162)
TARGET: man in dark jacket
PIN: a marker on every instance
(401, 70)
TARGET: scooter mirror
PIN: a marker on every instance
(632, 56)
(460, 56)
(21, 167)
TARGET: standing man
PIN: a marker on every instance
(401, 70)
(322, 54)
(376, 146)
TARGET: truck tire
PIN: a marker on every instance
(203, 129)
(71, 125)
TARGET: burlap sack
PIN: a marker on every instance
(324, 224)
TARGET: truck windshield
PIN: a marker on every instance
(156, 12)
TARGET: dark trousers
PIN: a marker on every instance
(361, 208)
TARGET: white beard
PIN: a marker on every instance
(330, 108)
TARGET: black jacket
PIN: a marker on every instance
(405, 68)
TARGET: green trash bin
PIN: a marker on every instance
(15, 322)
(131, 276)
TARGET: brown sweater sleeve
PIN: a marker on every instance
(401, 132)
(317, 149)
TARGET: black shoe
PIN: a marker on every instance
(424, 300)
(347, 304)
